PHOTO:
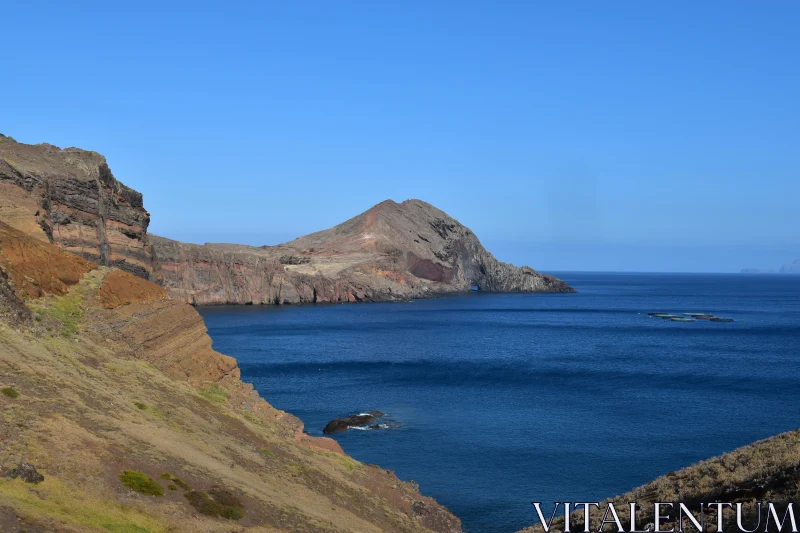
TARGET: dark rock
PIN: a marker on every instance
(342, 424)
(26, 472)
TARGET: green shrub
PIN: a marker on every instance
(268, 452)
(176, 480)
(140, 405)
(214, 393)
(141, 483)
(10, 392)
(65, 309)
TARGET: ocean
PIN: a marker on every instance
(505, 399)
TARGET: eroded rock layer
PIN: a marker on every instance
(70, 197)
(393, 251)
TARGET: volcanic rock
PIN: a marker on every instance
(26, 472)
(393, 251)
(70, 197)
(342, 424)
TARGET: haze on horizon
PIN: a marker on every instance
(584, 136)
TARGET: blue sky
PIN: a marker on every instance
(661, 136)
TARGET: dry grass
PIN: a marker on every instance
(767, 470)
(91, 410)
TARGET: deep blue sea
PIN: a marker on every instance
(504, 399)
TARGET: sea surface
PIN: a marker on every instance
(505, 399)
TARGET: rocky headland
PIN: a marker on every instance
(393, 251)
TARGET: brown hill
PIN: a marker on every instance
(393, 251)
(114, 393)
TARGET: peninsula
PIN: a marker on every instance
(393, 251)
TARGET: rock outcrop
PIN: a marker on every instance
(70, 197)
(393, 251)
(343, 424)
(137, 424)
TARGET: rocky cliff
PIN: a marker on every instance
(393, 251)
(113, 393)
(70, 197)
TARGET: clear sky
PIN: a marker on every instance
(636, 135)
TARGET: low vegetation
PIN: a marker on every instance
(141, 483)
(294, 260)
(214, 393)
(216, 502)
(54, 500)
(9, 392)
(175, 481)
(767, 470)
(65, 310)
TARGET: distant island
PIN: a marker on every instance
(789, 268)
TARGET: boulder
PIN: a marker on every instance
(26, 472)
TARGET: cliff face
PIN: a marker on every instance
(70, 197)
(103, 374)
(391, 252)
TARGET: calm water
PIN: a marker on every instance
(507, 399)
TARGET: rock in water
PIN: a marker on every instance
(342, 424)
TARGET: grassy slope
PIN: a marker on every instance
(93, 404)
(766, 470)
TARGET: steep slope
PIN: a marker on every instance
(70, 197)
(113, 392)
(390, 252)
(764, 471)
